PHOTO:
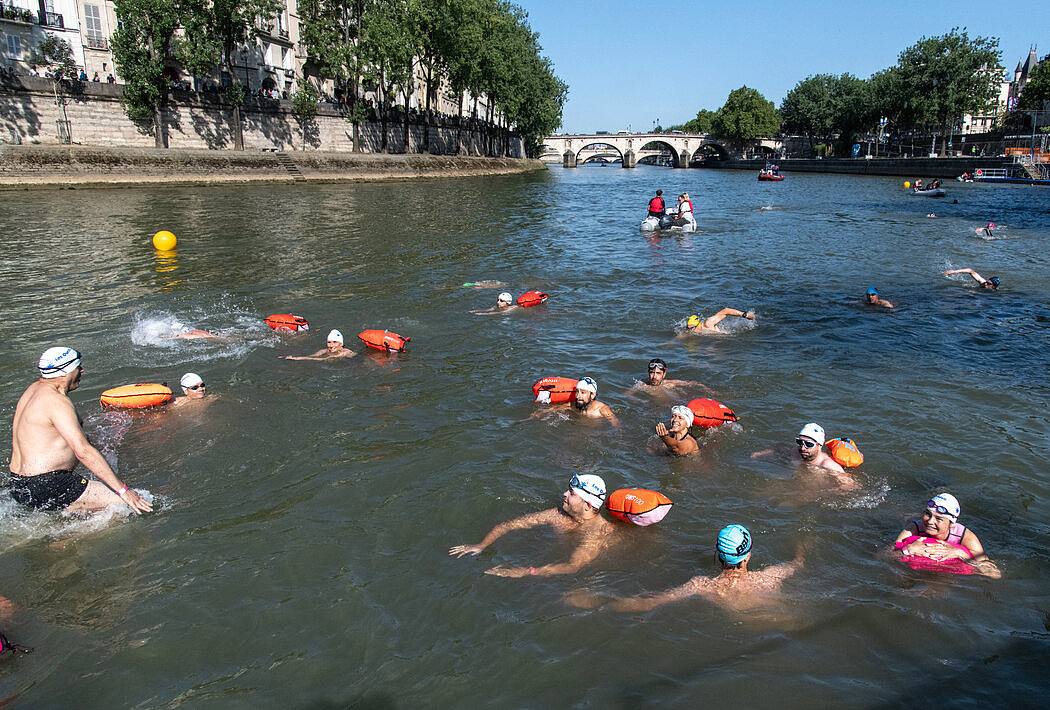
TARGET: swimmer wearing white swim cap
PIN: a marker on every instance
(579, 513)
(504, 304)
(943, 538)
(676, 436)
(585, 401)
(334, 349)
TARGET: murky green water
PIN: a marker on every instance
(298, 553)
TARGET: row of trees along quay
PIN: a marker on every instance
(469, 47)
(934, 83)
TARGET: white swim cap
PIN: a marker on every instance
(336, 335)
(683, 411)
(588, 384)
(505, 298)
(58, 361)
(190, 379)
(945, 504)
(589, 487)
(813, 431)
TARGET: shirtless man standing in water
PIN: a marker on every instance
(580, 513)
(735, 588)
(47, 441)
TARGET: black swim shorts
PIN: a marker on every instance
(53, 490)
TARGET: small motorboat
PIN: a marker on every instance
(935, 192)
(665, 223)
(769, 174)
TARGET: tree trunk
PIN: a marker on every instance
(238, 131)
(408, 136)
(459, 127)
(426, 111)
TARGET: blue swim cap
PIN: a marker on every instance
(872, 289)
(734, 544)
(995, 281)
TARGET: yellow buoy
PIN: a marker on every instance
(907, 186)
(164, 240)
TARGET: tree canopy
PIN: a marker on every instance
(1036, 90)
(745, 116)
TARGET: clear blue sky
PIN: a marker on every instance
(629, 64)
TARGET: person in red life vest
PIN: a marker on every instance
(940, 522)
(580, 514)
(656, 205)
(685, 212)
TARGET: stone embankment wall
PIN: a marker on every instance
(899, 167)
(29, 113)
(27, 166)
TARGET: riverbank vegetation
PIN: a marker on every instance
(934, 83)
(477, 49)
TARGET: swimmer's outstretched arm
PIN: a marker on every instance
(692, 588)
(607, 412)
(319, 355)
(532, 520)
(976, 276)
(583, 554)
(720, 316)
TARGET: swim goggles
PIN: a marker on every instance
(800, 442)
(198, 386)
(931, 504)
(591, 488)
(657, 366)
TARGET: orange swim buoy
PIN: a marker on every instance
(709, 413)
(532, 298)
(845, 452)
(980, 172)
(287, 321)
(144, 394)
(640, 506)
(561, 389)
(383, 340)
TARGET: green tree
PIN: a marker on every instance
(140, 47)
(808, 109)
(1036, 91)
(947, 76)
(389, 61)
(55, 55)
(852, 109)
(745, 116)
(304, 107)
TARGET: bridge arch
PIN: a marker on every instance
(599, 151)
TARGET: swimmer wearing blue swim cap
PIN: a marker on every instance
(736, 587)
(990, 284)
(873, 298)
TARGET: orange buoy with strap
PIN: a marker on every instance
(640, 506)
(980, 172)
(287, 321)
(383, 340)
(144, 394)
(709, 413)
(845, 452)
(558, 390)
(532, 298)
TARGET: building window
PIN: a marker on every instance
(93, 23)
(14, 46)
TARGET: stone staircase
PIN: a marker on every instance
(289, 165)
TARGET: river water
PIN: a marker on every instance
(298, 552)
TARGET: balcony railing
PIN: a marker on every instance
(283, 33)
(96, 43)
(52, 19)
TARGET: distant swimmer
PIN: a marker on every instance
(657, 381)
(991, 284)
(656, 205)
(47, 442)
(695, 324)
(939, 536)
(579, 514)
(986, 230)
(809, 451)
(735, 588)
(334, 349)
(873, 299)
(484, 284)
(504, 304)
(676, 437)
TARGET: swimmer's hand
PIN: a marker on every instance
(460, 550)
(750, 315)
(508, 571)
(661, 429)
(139, 504)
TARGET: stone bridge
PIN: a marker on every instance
(629, 148)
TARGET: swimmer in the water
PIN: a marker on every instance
(676, 437)
(483, 284)
(695, 324)
(579, 513)
(809, 452)
(991, 284)
(940, 521)
(872, 298)
(504, 304)
(735, 588)
(333, 349)
(586, 403)
(192, 333)
(986, 230)
(657, 381)
(193, 389)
